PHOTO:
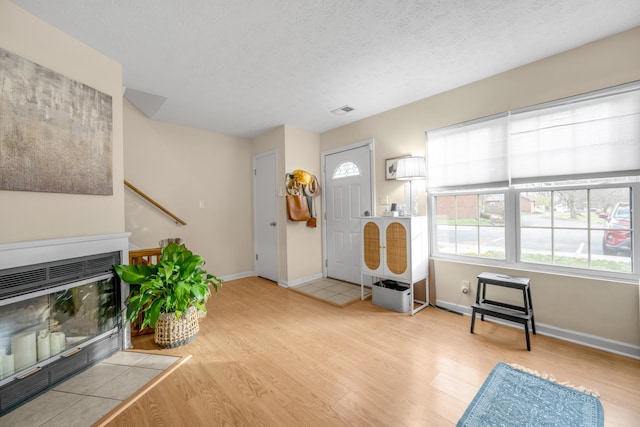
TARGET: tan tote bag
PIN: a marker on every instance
(297, 208)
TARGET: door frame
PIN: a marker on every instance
(371, 144)
(273, 153)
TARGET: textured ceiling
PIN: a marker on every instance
(241, 67)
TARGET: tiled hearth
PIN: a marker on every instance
(87, 397)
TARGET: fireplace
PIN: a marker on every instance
(61, 311)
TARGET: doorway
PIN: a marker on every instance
(348, 196)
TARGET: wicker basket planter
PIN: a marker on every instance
(171, 332)
(177, 283)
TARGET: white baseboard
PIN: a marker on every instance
(238, 276)
(292, 283)
(284, 284)
(605, 344)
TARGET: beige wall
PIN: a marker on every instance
(595, 307)
(180, 167)
(34, 216)
(304, 255)
(300, 247)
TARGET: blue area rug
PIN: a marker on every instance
(511, 397)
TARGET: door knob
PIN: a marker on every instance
(272, 224)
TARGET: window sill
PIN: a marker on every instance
(627, 278)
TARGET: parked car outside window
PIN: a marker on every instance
(617, 233)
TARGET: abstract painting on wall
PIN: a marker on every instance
(55, 133)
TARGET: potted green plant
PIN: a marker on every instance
(169, 294)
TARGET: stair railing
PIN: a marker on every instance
(154, 203)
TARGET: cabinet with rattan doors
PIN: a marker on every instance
(395, 248)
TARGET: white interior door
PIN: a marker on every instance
(348, 195)
(265, 211)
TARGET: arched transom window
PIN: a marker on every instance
(345, 170)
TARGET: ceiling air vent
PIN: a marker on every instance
(342, 110)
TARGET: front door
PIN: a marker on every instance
(348, 183)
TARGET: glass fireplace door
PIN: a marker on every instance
(48, 324)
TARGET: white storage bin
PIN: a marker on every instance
(392, 295)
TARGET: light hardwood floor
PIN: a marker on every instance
(269, 356)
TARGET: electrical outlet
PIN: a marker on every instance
(465, 286)
(384, 200)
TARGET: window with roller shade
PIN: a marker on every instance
(552, 185)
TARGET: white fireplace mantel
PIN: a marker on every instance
(19, 254)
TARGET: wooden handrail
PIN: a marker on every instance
(154, 203)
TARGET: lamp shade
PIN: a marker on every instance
(411, 168)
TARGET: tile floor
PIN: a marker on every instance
(85, 398)
(333, 291)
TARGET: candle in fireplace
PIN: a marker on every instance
(57, 342)
(24, 351)
(44, 347)
(6, 364)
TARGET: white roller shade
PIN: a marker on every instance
(469, 154)
(593, 135)
(596, 136)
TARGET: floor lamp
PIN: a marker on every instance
(411, 169)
